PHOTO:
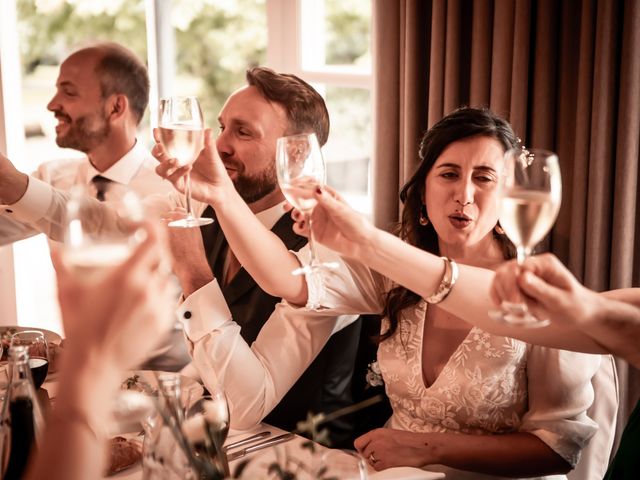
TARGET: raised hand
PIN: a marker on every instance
(335, 224)
(548, 288)
(210, 182)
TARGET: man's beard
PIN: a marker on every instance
(81, 137)
(254, 187)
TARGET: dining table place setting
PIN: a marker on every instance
(166, 426)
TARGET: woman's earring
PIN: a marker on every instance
(424, 219)
(499, 230)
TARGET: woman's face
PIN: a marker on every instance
(461, 191)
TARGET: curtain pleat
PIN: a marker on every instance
(625, 201)
(481, 46)
(502, 57)
(579, 199)
(600, 182)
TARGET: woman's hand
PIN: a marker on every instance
(385, 448)
(115, 320)
(210, 181)
(335, 224)
(548, 289)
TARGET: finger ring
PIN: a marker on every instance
(372, 458)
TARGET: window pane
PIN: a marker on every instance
(216, 41)
(347, 24)
(49, 30)
(348, 150)
(342, 38)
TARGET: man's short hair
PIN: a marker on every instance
(120, 71)
(306, 110)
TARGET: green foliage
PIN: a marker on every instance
(216, 41)
(347, 26)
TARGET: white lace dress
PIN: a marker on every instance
(490, 385)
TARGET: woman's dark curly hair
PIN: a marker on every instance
(463, 123)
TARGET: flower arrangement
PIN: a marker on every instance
(200, 438)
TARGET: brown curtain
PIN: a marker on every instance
(567, 76)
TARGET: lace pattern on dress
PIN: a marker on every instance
(482, 389)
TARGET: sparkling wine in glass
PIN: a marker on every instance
(96, 239)
(531, 196)
(301, 169)
(38, 351)
(181, 125)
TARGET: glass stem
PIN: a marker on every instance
(187, 194)
(313, 255)
(521, 254)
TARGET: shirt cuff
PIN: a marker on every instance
(34, 204)
(203, 311)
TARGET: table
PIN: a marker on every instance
(260, 460)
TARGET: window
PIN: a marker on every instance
(200, 47)
(328, 43)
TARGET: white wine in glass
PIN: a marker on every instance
(531, 196)
(181, 125)
(301, 170)
(91, 248)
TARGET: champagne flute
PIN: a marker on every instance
(38, 351)
(301, 169)
(531, 196)
(181, 126)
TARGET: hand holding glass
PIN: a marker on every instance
(181, 126)
(531, 196)
(301, 170)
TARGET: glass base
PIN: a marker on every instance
(190, 222)
(518, 315)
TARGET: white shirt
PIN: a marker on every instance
(255, 378)
(42, 208)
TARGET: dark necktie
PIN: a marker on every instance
(101, 183)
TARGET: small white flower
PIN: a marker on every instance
(374, 376)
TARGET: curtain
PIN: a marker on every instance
(566, 74)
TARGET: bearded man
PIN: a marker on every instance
(102, 92)
(270, 106)
(224, 308)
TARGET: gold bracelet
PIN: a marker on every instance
(446, 284)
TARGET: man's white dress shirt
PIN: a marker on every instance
(42, 209)
(256, 377)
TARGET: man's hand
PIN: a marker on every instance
(189, 258)
(210, 181)
(13, 183)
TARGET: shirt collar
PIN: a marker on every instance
(271, 215)
(124, 169)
